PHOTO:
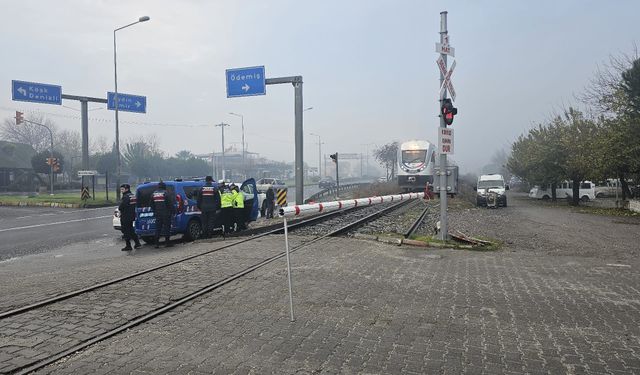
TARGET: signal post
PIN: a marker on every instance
(447, 113)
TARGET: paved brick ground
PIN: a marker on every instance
(364, 307)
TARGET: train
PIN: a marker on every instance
(416, 162)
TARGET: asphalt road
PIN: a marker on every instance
(31, 230)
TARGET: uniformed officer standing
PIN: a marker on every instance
(226, 203)
(208, 204)
(238, 209)
(162, 208)
(270, 198)
(127, 209)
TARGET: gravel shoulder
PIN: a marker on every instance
(535, 227)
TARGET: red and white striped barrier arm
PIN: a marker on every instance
(314, 208)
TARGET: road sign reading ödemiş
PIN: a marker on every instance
(246, 82)
(36, 92)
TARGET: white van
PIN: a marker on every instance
(491, 183)
(564, 190)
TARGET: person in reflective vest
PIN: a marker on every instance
(226, 213)
(127, 209)
(238, 209)
(209, 204)
(162, 208)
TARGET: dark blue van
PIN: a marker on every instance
(186, 220)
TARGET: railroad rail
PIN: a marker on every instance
(28, 314)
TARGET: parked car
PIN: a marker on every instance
(326, 183)
(186, 220)
(264, 183)
(116, 219)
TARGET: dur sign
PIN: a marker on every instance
(445, 141)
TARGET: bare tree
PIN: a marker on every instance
(34, 135)
(606, 91)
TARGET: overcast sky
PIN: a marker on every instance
(368, 67)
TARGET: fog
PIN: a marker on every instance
(368, 67)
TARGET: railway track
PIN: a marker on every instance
(67, 323)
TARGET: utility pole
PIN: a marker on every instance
(222, 125)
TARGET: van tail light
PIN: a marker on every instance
(180, 203)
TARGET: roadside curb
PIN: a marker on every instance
(53, 204)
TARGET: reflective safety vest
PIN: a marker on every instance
(238, 199)
(226, 199)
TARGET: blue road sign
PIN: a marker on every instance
(36, 92)
(246, 82)
(127, 102)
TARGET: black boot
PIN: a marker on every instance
(137, 245)
(128, 247)
(167, 243)
(157, 243)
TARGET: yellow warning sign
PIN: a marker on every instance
(281, 197)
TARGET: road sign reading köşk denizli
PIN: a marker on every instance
(246, 82)
(127, 102)
(36, 92)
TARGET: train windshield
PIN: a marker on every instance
(414, 156)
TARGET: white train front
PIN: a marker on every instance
(416, 160)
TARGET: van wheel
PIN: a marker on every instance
(600, 195)
(194, 230)
(545, 198)
(148, 239)
(585, 198)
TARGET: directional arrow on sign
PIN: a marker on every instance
(138, 104)
(246, 87)
(22, 91)
(447, 78)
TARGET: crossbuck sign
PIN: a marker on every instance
(447, 78)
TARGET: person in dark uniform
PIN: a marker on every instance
(209, 204)
(162, 208)
(127, 209)
(270, 202)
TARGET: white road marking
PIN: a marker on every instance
(56, 223)
(618, 265)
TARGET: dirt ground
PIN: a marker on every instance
(537, 227)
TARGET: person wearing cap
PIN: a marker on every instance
(226, 213)
(127, 209)
(238, 209)
(162, 208)
(208, 204)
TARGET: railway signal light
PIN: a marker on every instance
(50, 161)
(19, 118)
(448, 111)
(334, 157)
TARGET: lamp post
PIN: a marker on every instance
(222, 125)
(117, 104)
(366, 145)
(319, 154)
(244, 168)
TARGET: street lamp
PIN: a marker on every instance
(319, 154)
(117, 104)
(222, 125)
(244, 169)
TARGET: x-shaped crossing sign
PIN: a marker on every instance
(447, 78)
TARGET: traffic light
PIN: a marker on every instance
(448, 111)
(19, 118)
(334, 157)
(56, 166)
(50, 161)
